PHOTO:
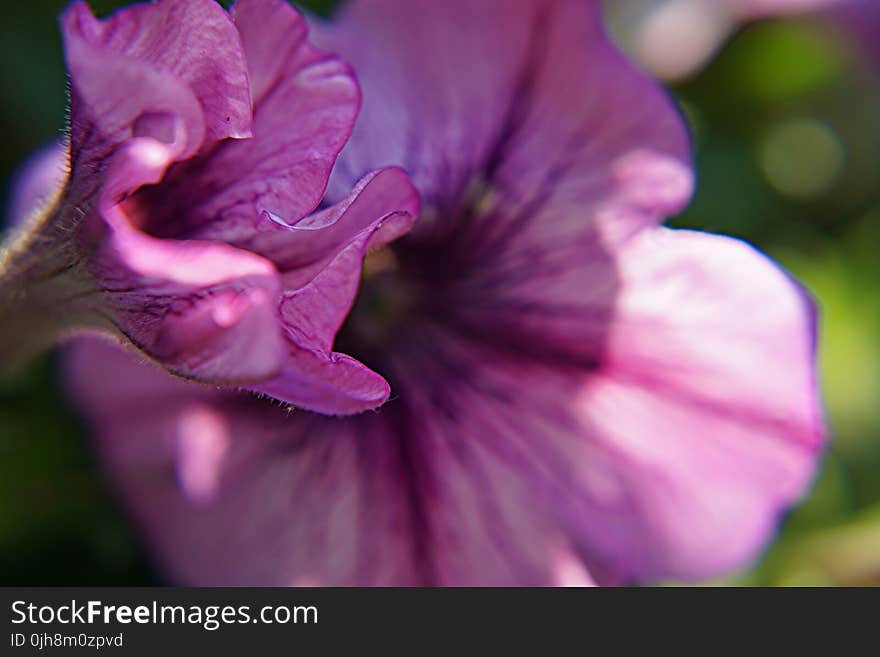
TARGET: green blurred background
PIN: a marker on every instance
(786, 124)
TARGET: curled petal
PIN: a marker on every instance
(305, 104)
(205, 310)
(121, 67)
(301, 248)
(274, 39)
(167, 229)
(315, 377)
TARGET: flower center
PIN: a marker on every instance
(402, 293)
(415, 290)
(477, 276)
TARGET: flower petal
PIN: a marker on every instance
(530, 102)
(174, 211)
(306, 246)
(205, 310)
(706, 410)
(321, 259)
(274, 36)
(305, 104)
(298, 499)
(674, 458)
(132, 115)
(599, 403)
(315, 377)
(114, 62)
(317, 516)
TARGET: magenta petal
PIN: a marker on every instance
(706, 416)
(322, 258)
(229, 336)
(331, 384)
(192, 42)
(305, 104)
(177, 201)
(274, 38)
(315, 377)
(302, 248)
(205, 310)
(176, 225)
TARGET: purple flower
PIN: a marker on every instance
(861, 21)
(200, 144)
(579, 395)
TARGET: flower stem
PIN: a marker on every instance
(46, 291)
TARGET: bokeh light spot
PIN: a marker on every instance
(802, 158)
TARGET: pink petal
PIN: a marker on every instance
(147, 89)
(706, 411)
(321, 513)
(274, 39)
